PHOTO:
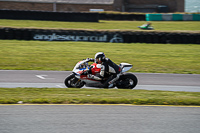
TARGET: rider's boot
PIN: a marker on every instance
(109, 83)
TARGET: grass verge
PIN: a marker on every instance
(96, 96)
(147, 58)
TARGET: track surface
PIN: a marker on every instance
(98, 119)
(55, 79)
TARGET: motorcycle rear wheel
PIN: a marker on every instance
(72, 82)
(127, 81)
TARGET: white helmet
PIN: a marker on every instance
(99, 57)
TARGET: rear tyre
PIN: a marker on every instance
(72, 82)
(127, 81)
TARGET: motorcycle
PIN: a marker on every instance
(79, 78)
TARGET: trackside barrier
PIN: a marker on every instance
(49, 16)
(172, 17)
(99, 36)
(153, 17)
(196, 17)
(67, 16)
(137, 17)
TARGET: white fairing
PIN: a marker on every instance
(125, 66)
(82, 65)
(98, 65)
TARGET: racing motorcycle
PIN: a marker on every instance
(79, 78)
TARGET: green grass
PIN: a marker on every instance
(150, 58)
(97, 96)
(106, 25)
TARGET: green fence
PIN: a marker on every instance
(172, 17)
(154, 17)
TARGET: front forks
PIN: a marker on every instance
(77, 83)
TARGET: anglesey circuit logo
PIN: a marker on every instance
(55, 37)
(90, 38)
(117, 39)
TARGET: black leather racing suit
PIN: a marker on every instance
(108, 70)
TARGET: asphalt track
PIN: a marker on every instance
(98, 119)
(55, 79)
(61, 118)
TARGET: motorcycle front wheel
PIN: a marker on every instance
(72, 82)
(127, 81)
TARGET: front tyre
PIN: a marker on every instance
(72, 82)
(127, 81)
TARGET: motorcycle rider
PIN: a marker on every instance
(108, 70)
(146, 26)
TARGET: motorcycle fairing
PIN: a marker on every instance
(96, 68)
(90, 82)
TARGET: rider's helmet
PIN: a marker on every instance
(99, 57)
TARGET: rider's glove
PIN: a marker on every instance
(90, 59)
